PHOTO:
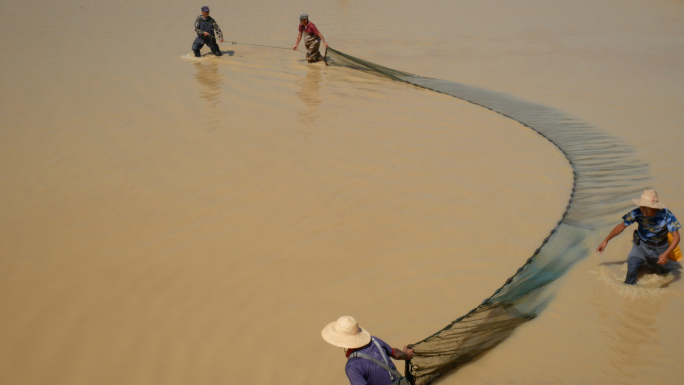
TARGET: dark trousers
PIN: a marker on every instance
(209, 41)
(644, 254)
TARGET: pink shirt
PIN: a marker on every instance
(310, 29)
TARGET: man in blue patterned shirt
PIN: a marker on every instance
(650, 239)
(204, 28)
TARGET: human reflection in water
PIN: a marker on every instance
(211, 79)
(309, 93)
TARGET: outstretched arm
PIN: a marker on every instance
(614, 233)
(405, 354)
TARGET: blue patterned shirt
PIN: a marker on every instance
(655, 228)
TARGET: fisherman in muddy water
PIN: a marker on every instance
(312, 39)
(368, 360)
(205, 26)
(650, 240)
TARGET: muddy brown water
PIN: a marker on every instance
(176, 221)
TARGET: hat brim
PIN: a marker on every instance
(638, 202)
(344, 340)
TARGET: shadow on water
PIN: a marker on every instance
(228, 53)
(605, 176)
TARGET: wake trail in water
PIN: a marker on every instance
(606, 174)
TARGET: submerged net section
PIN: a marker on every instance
(606, 175)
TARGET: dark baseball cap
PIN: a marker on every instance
(205, 9)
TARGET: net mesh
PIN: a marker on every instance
(606, 173)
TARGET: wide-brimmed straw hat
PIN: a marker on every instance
(346, 333)
(649, 198)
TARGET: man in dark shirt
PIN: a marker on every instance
(367, 356)
(312, 39)
(204, 27)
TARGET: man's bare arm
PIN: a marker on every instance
(405, 354)
(322, 38)
(614, 233)
(299, 37)
(662, 260)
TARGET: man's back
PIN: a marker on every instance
(362, 371)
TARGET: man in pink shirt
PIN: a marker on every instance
(312, 39)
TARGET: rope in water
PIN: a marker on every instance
(257, 45)
(261, 45)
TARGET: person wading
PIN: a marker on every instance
(204, 27)
(312, 39)
(367, 356)
(649, 240)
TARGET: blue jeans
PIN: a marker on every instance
(644, 254)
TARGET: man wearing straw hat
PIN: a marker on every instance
(367, 362)
(650, 243)
(312, 39)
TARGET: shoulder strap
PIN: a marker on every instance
(382, 351)
(393, 373)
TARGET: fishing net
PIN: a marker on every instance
(606, 174)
